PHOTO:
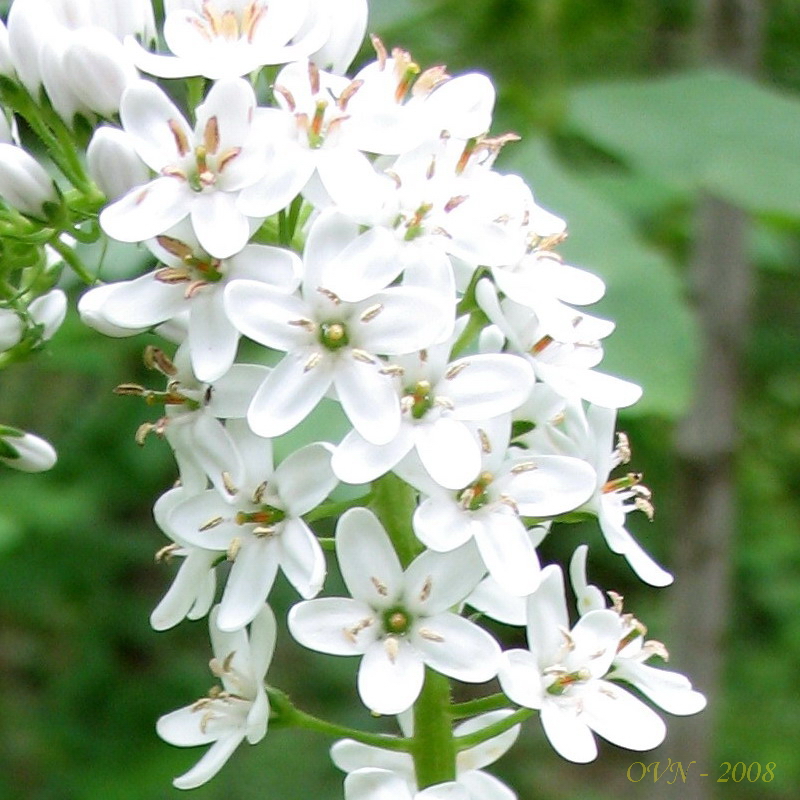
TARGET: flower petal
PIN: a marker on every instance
(250, 580)
(457, 647)
(221, 228)
(390, 676)
(369, 565)
(339, 626)
(301, 558)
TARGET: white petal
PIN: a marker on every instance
(441, 524)
(521, 679)
(450, 453)
(365, 267)
(488, 385)
(642, 564)
(492, 600)
(368, 398)
(481, 755)
(182, 594)
(182, 728)
(331, 233)
(233, 392)
(434, 582)
(556, 484)
(569, 735)
(288, 395)
(142, 302)
(369, 565)
(250, 580)
(507, 551)
(147, 115)
(547, 616)
(409, 320)
(349, 755)
(390, 676)
(304, 479)
(279, 269)
(358, 461)
(266, 315)
(621, 718)
(146, 211)
(212, 337)
(221, 228)
(335, 625)
(375, 784)
(669, 690)
(482, 786)
(301, 558)
(456, 647)
(211, 763)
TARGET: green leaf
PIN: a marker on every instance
(654, 343)
(716, 131)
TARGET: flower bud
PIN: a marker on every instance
(98, 69)
(113, 162)
(6, 62)
(10, 329)
(24, 451)
(49, 310)
(24, 183)
(348, 22)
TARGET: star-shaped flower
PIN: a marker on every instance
(398, 621)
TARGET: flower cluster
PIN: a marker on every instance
(352, 237)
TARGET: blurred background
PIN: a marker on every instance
(667, 133)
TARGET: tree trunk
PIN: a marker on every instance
(722, 283)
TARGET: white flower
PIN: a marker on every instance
(310, 133)
(437, 399)
(669, 690)
(260, 526)
(511, 484)
(396, 108)
(350, 756)
(191, 423)
(201, 172)
(565, 365)
(24, 451)
(564, 675)
(331, 342)
(398, 621)
(590, 435)
(238, 710)
(381, 784)
(187, 279)
(438, 202)
(229, 38)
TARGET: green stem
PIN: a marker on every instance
(68, 254)
(334, 509)
(394, 503)
(490, 731)
(477, 322)
(288, 715)
(492, 702)
(433, 747)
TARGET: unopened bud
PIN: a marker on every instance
(24, 183)
(113, 162)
